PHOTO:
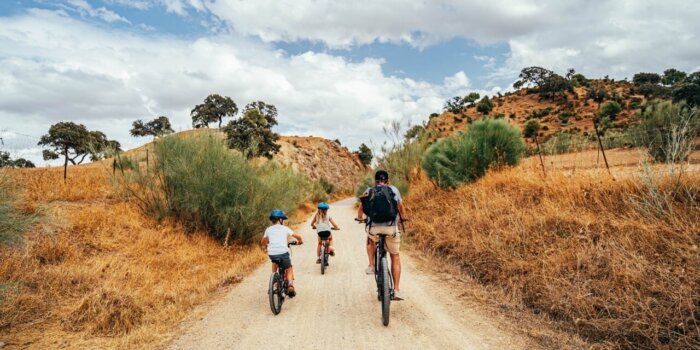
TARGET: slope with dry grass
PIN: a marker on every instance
(98, 273)
(615, 261)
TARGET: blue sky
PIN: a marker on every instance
(334, 69)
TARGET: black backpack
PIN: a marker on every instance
(380, 205)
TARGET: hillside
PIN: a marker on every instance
(524, 104)
(316, 157)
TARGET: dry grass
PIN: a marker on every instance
(580, 250)
(98, 273)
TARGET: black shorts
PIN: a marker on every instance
(283, 260)
(324, 235)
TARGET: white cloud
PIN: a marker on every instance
(85, 9)
(55, 68)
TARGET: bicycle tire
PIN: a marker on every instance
(274, 291)
(323, 258)
(386, 291)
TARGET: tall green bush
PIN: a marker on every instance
(668, 130)
(12, 222)
(467, 156)
(206, 185)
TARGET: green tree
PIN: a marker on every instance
(534, 75)
(610, 110)
(268, 110)
(454, 105)
(579, 79)
(668, 130)
(484, 106)
(74, 142)
(646, 78)
(688, 90)
(215, 108)
(470, 99)
(414, 132)
(554, 85)
(597, 94)
(673, 76)
(157, 127)
(252, 134)
(531, 128)
(23, 163)
(365, 154)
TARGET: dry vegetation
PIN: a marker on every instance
(98, 273)
(589, 252)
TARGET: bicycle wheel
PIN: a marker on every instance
(324, 258)
(386, 291)
(275, 293)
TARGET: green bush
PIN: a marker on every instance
(668, 130)
(206, 185)
(467, 156)
(12, 222)
(532, 126)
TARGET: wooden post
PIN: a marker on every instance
(228, 235)
(600, 146)
(114, 166)
(65, 164)
(121, 164)
(539, 151)
(146, 161)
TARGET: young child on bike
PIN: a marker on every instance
(323, 224)
(275, 239)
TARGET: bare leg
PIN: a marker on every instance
(371, 247)
(318, 248)
(396, 269)
(290, 276)
(274, 267)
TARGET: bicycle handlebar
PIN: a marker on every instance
(293, 243)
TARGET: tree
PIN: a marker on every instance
(157, 127)
(555, 84)
(611, 110)
(597, 94)
(252, 134)
(269, 111)
(668, 130)
(215, 108)
(579, 79)
(414, 132)
(673, 76)
(646, 78)
(454, 105)
(534, 75)
(532, 127)
(5, 160)
(484, 106)
(74, 142)
(365, 154)
(470, 99)
(688, 90)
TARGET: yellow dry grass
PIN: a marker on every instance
(582, 250)
(97, 273)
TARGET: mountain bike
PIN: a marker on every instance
(382, 276)
(278, 287)
(325, 252)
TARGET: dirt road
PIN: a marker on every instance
(340, 309)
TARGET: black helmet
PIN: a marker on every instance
(381, 175)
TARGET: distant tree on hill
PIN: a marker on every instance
(688, 90)
(597, 94)
(215, 108)
(7, 162)
(157, 127)
(414, 132)
(549, 83)
(673, 76)
(610, 110)
(454, 105)
(646, 78)
(365, 154)
(534, 75)
(470, 99)
(484, 106)
(252, 134)
(531, 128)
(74, 142)
(579, 79)
(555, 85)
(267, 110)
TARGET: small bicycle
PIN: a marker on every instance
(382, 275)
(278, 287)
(325, 252)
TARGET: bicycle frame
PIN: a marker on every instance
(379, 253)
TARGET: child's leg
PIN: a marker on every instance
(318, 248)
(290, 276)
(274, 267)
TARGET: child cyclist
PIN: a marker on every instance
(323, 224)
(275, 238)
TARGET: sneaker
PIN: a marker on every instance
(291, 292)
(318, 261)
(397, 296)
(369, 270)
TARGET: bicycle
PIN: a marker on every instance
(325, 252)
(278, 286)
(382, 276)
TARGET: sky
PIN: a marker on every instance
(338, 69)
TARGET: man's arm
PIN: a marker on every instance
(402, 212)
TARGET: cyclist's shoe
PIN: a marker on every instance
(332, 253)
(397, 296)
(369, 270)
(318, 261)
(291, 292)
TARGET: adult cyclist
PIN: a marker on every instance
(391, 229)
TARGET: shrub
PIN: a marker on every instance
(12, 222)
(484, 106)
(467, 156)
(610, 110)
(668, 129)
(564, 117)
(532, 126)
(204, 184)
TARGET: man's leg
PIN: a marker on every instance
(371, 247)
(396, 270)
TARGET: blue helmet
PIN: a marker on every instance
(278, 214)
(323, 205)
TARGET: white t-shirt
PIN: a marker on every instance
(277, 235)
(397, 197)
